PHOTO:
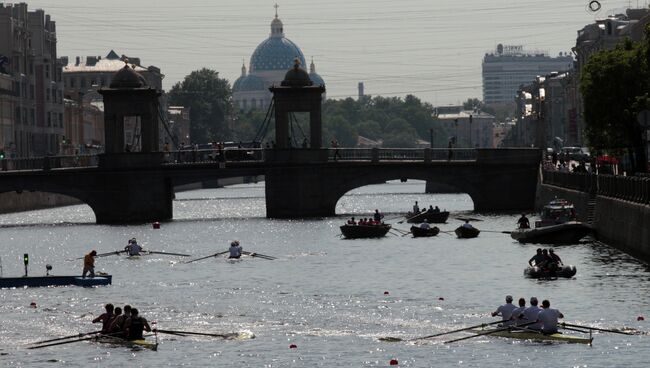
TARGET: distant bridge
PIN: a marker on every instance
(299, 182)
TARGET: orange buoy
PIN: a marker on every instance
(156, 225)
(640, 318)
(386, 293)
(394, 362)
(293, 346)
(32, 305)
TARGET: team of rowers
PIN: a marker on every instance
(123, 323)
(376, 219)
(545, 318)
(416, 209)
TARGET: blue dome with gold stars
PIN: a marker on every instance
(276, 52)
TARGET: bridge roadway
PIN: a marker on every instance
(297, 184)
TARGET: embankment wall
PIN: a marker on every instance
(622, 224)
(27, 201)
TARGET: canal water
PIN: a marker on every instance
(331, 298)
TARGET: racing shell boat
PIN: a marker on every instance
(558, 225)
(133, 344)
(526, 334)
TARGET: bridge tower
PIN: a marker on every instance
(131, 135)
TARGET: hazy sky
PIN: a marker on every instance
(429, 48)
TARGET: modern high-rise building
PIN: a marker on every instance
(509, 67)
(268, 65)
(28, 57)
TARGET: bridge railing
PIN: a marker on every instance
(213, 155)
(628, 188)
(402, 154)
(48, 162)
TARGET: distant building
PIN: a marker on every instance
(179, 122)
(466, 128)
(82, 78)
(511, 66)
(268, 65)
(28, 59)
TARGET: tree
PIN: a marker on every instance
(614, 86)
(209, 100)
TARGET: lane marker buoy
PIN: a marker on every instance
(394, 362)
(293, 346)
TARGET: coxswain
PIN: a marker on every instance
(117, 326)
(518, 311)
(106, 318)
(425, 224)
(377, 216)
(523, 222)
(135, 325)
(89, 264)
(548, 317)
(538, 259)
(416, 208)
(235, 250)
(530, 315)
(505, 310)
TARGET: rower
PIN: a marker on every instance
(467, 225)
(548, 317)
(135, 325)
(105, 318)
(89, 264)
(523, 222)
(518, 311)
(133, 248)
(351, 221)
(436, 210)
(530, 315)
(505, 310)
(416, 208)
(425, 225)
(117, 326)
(235, 250)
(538, 259)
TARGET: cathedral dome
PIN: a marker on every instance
(315, 77)
(248, 83)
(127, 78)
(297, 76)
(276, 52)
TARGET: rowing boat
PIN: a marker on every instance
(537, 336)
(467, 232)
(431, 217)
(539, 273)
(419, 232)
(133, 344)
(364, 231)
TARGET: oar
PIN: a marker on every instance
(499, 232)
(254, 254)
(225, 336)
(407, 233)
(210, 256)
(574, 329)
(595, 328)
(412, 217)
(67, 337)
(468, 219)
(400, 230)
(117, 252)
(489, 332)
(166, 253)
(61, 343)
(391, 339)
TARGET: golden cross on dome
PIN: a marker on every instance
(276, 6)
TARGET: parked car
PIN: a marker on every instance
(576, 153)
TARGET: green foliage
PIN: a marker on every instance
(209, 100)
(614, 86)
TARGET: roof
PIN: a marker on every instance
(275, 53)
(102, 65)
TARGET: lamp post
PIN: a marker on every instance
(470, 131)
(431, 136)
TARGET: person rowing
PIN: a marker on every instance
(467, 225)
(548, 317)
(530, 315)
(117, 326)
(235, 250)
(518, 311)
(425, 225)
(416, 208)
(135, 325)
(133, 248)
(505, 311)
(351, 221)
(106, 318)
(554, 257)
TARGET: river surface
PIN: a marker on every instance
(331, 298)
